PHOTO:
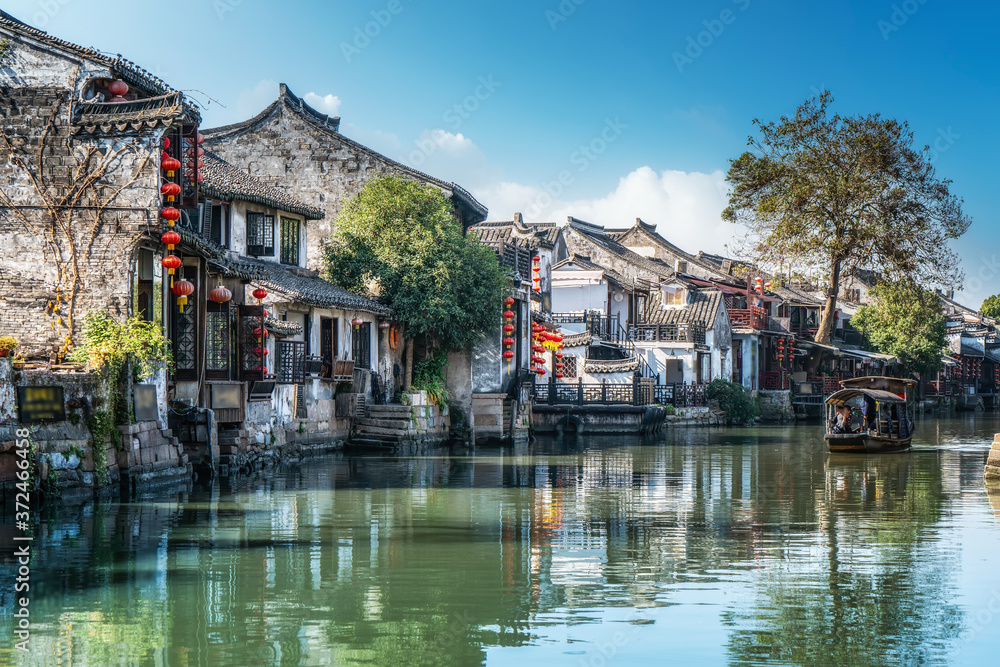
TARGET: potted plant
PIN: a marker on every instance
(7, 345)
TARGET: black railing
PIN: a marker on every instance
(667, 333)
(628, 393)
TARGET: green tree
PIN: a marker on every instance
(991, 306)
(844, 194)
(400, 241)
(905, 321)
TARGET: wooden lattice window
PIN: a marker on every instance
(185, 332)
(251, 367)
(569, 366)
(327, 344)
(289, 241)
(289, 361)
(260, 234)
(361, 345)
(218, 342)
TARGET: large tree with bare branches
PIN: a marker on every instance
(845, 193)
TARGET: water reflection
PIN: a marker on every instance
(721, 546)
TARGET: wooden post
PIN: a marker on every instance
(604, 390)
(552, 389)
(408, 374)
(579, 391)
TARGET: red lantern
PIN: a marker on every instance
(170, 190)
(199, 137)
(536, 259)
(260, 351)
(260, 293)
(220, 295)
(258, 332)
(508, 341)
(118, 89)
(560, 366)
(171, 215)
(166, 142)
(540, 371)
(559, 355)
(508, 328)
(171, 263)
(781, 357)
(509, 301)
(508, 315)
(559, 375)
(383, 324)
(190, 165)
(171, 238)
(508, 355)
(357, 322)
(192, 152)
(181, 290)
(170, 165)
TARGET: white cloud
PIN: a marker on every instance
(328, 104)
(686, 207)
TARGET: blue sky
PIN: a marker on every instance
(660, 94)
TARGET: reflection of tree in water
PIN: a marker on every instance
(879, 597)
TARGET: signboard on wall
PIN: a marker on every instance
(40, 404)
(144, 403)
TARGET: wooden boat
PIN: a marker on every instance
(881, 415)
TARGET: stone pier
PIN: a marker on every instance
(993, 462)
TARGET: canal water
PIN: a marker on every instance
(703, 547)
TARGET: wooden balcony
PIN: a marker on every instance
(748, 318)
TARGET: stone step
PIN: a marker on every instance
(387, 432)
(383, 423)
(373, 443)
(381, 410)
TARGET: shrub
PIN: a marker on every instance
(740, 407)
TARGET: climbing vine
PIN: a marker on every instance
(69, 209)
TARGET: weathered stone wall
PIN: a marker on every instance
(314, 164)
(776, 406)
(63, 255)
(67, 463)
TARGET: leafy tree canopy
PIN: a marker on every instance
(991, 306)
(401, 242)
(845, 194)
(905, 321)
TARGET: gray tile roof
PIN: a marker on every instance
(224, 181)
(126, 70)
(282, 327)
(528, 235)
(796, 297)
(702, 309)
(283, 285)
(286, 287)
(331, 125)
(134, 116)
(597, 236)
(595, 366)
(585, 263)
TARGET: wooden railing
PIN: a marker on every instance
(748, 318)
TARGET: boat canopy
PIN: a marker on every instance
(844, 395)
(876, 382)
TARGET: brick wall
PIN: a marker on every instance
(60, 257)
